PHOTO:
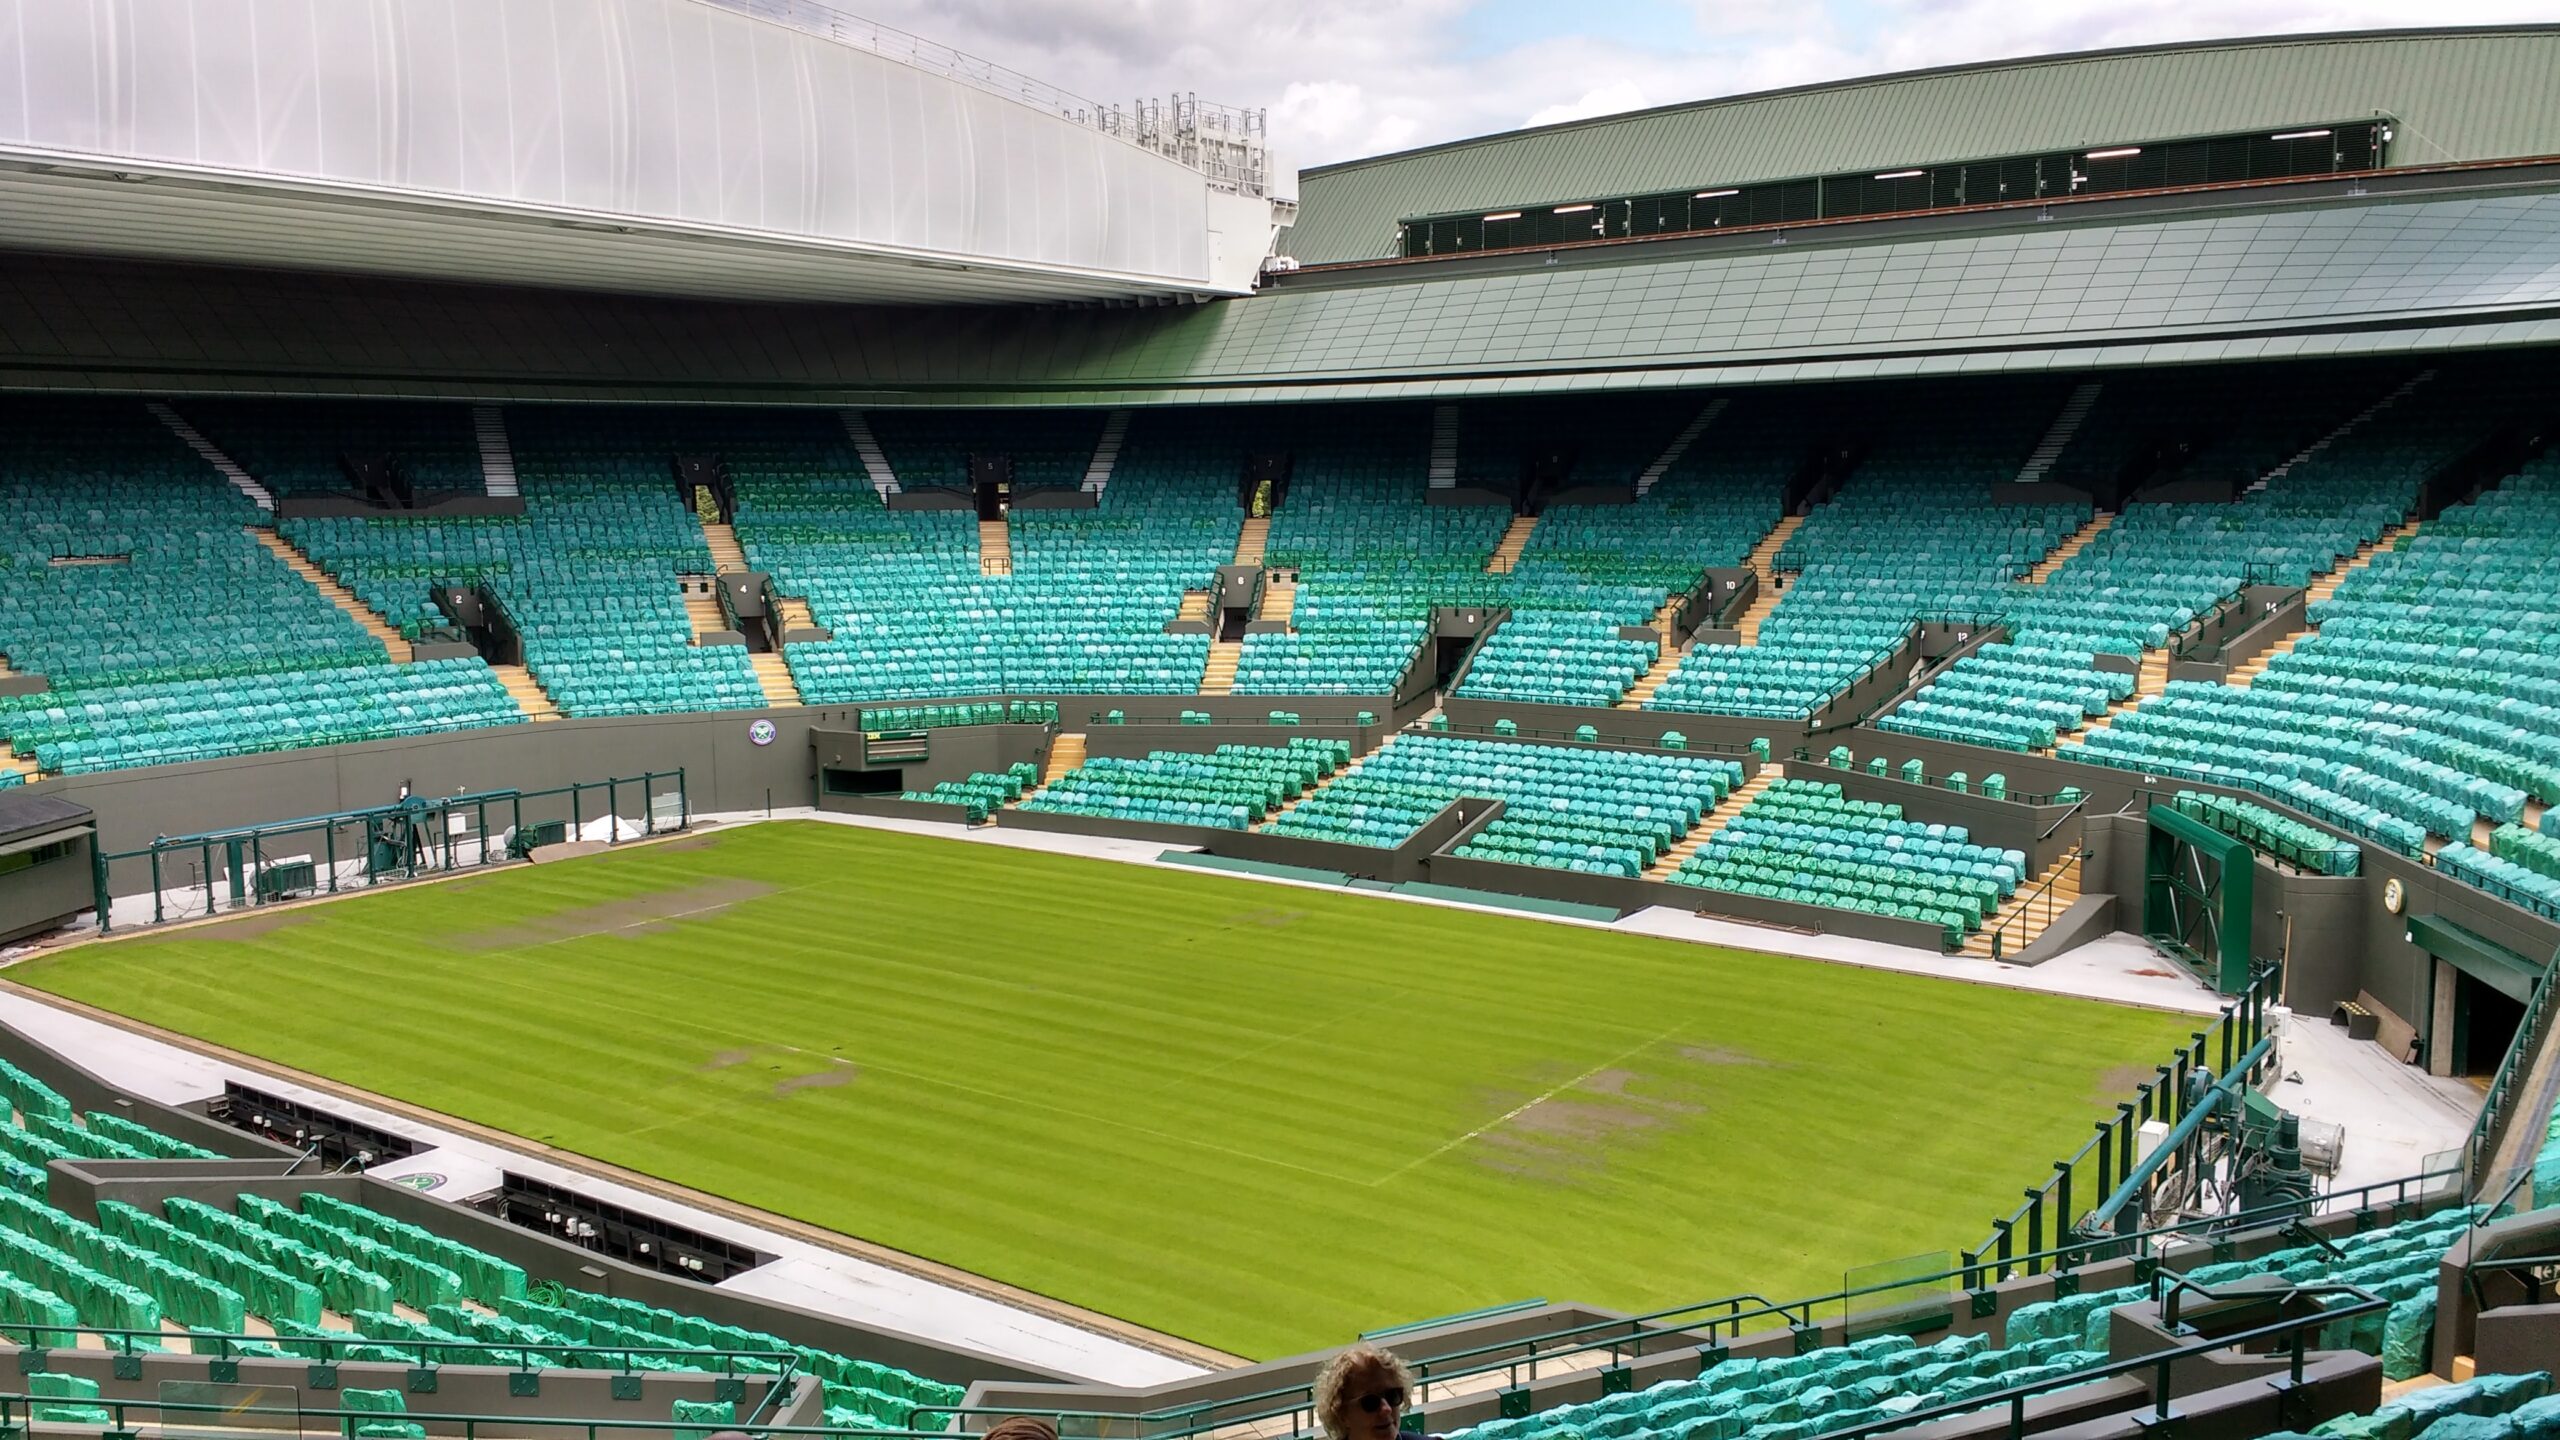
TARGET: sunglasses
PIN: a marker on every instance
(1391, 1398)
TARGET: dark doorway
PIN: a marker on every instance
(2484, 1025)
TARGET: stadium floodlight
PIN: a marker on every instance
(1504, 215)
(1575, 209)
(1899, 174)
(2118, 153)
(2300, 135)
(1713, 194)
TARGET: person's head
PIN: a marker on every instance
(1363, 1394)
(1022, 1427)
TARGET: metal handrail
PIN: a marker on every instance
(2072, 860)
(2497, 1109)
(1617, 1335)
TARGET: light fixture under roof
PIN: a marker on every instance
(1503, 215)
(1575, 209)
(2300, 135)
(1900, 174)
(2117, 153)
(1713, 194)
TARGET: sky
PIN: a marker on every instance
(1348, 78)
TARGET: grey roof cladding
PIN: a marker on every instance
(2469, 94)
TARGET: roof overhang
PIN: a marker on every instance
(136, 209)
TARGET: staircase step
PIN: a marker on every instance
(1444, 447)
(240, 479)
(1066, 752)
(995, 548)
(2347, 427)
(530, 697)
(2044, 898)
(773, 672)
(1296, 800)
(1714, 820)
(1195, 606)
(727, 556)
(701, 607)
(2072, 544)
(1279, 597)
(875, 461)
(1680, 444)
(497, 456)
(1106, 452)
(1218, 677)
(1506, 551)
(2057, 436)
(1253, 540)
(393, 643)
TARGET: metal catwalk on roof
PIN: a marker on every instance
(2458, 95)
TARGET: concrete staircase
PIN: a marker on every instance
(701, 606)
(875, 462)
(1195, 606)
(1218, 677)
(726, 556)
(2072, 544)
(339, 595)
(1106, 452)
(497, 457)
(795, 613)
(1680, 444)
(1279, 597)
(531, 698)
(774, 674)
(2322, 586)
(240, 479)
(1666, 660)
(1713, 821)
(2150, 677)
(2035, 905)
(1506, 551)
(995, 548)
(1066, 752)
(1253, 540)
(2348, 426)
(1444, 447)
(1763, 561)
(2057, 436)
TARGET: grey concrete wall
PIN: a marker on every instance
(44, 895)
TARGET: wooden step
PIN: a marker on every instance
(1666, 657)
(1218, 677)
(1772, 590)
(1253, 541)
(1763, 562)
(2072, 544)
(20, 766)
(995, 548)
(1506, 551)
(1066, 752)
(531, 698)
(1713, 821)
(2325, 585)
(701, 606)
(2043, 901)
(774, 673)
(726, 556)
(1357, 761)
(795, 613)
(1279, 596)
(339, 595)
(1195, 606)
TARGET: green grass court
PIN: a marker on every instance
(1258, 1116)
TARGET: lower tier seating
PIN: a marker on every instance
(984, 791)
(1609, 812)
(1800, 840)
(2306, 846)
(1230, 788)
(331, 1278)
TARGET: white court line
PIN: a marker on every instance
(1516, 1111)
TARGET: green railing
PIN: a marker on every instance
(1570, 737)
(2040, 903)
(253, 865)
(2497, 1108)
(1706, 1323)
(2108, 1156)
(1810, 756)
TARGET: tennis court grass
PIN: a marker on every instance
(1258, 1116)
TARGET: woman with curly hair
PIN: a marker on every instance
(1362, 1394)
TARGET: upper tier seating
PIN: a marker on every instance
(588, 574)
(2422, 701)
(1918, 534)
(326, 1276)
(1610, 812)
(1230, 788)
(298, 447)
(1084, 610)
(1590, 569)
(930, 449)
(173, 635)
(1800, 840)
(2160, 566)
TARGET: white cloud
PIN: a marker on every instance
(1348, 78)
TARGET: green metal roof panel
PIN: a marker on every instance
(2457, 95)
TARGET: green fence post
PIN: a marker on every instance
(98, 884)
(577, 816)
(329, 847)
(155, 883)
(612, 811)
